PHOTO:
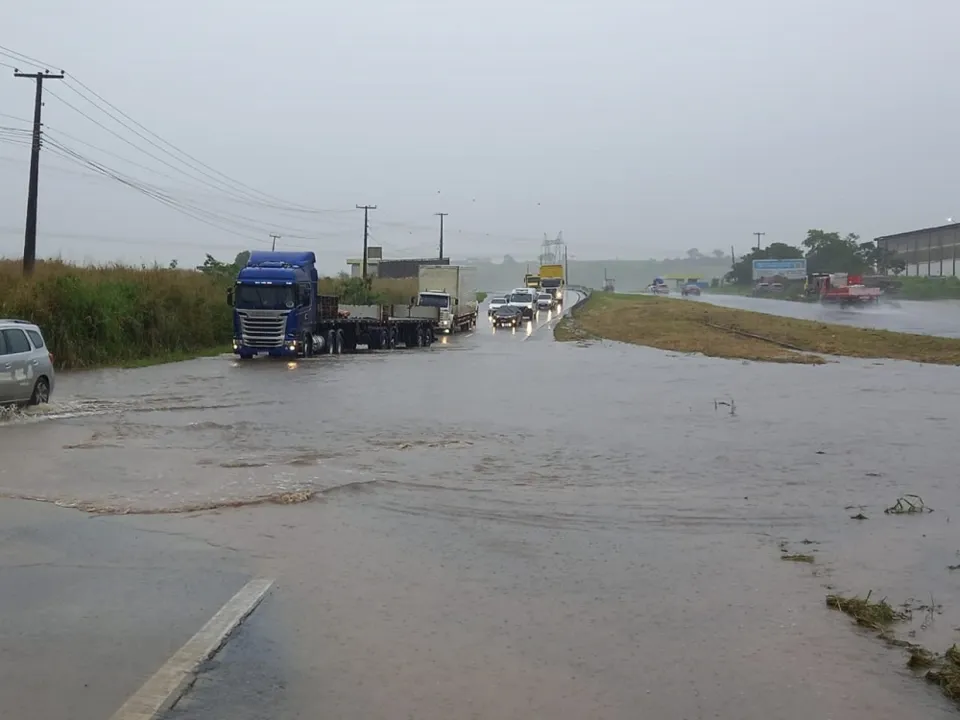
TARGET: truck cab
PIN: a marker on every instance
(274, 300)
(444, 303)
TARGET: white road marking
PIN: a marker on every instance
(166, 686)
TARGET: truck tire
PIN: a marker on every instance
(339, 349)
(419, 337)
(331, 339)
(428, 337)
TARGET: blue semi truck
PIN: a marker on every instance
(278, 311)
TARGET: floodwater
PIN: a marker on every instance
(935, 317)
(513, 527)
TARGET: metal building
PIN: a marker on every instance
(407, 268)
(930, 251)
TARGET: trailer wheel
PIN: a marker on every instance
(419, 340)
(428, 337)
(331, 339)
(339, 342)
(392, 339)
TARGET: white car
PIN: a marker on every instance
(526, 300)
(497, 301)
(26, 365)
(545, 301)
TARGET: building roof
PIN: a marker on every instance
(908, 233)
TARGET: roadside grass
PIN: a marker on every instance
(694, 327)
(382, 291)
(112, 314)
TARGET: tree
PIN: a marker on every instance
(880, 259)
(742, 272)
(222, 271)
(718, 254)
(828, 252)
(694, 254)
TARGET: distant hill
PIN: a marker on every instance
(627, 274)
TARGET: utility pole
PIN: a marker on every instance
(441, 216)
(759, 235)
(366, 234)
(30, 234)
(274, 237)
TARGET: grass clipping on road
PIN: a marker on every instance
(696, 327)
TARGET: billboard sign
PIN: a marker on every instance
(794, 269)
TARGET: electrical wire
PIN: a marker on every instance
(224, 183)
(243, 222)
(20, 57)
(231, 181)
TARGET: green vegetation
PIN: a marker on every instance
(797, 557)
(825, 252)
(116, 315)
(481, 296)
(372, 291)
(724, 332)
(928, 288)
(874, 615)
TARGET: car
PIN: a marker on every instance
(507, 316)
(546, 301)
(526, 300)
(497, 301)
(690, 290)
(26, 366)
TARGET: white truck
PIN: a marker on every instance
(452, 290)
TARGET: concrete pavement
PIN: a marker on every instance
(90, 607)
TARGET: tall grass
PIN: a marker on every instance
(929, 288)
(375, 291)
(112, 314)
(118, 315)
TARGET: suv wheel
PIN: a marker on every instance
(41, 392)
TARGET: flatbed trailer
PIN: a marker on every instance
(349, 328)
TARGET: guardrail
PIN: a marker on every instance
(584, 296)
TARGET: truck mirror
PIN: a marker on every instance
(230, 297)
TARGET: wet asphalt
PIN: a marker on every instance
(502, 527)
(940, 317)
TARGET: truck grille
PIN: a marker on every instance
(262, 331)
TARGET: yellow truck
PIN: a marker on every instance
(553, 281)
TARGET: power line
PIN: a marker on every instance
(20, 57)
(171, 145)
(241, 221)
(33, 187)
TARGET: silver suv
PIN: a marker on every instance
(26, 367)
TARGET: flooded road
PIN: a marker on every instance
(506, 526)
(936, 317)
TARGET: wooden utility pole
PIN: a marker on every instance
(441, 216)
(274, 237)
(759, 235)
(30, 233)
(366, 234)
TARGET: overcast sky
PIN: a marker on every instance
(639, 129)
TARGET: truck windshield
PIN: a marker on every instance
(434, 300)
(521, 298)
(551, 283)
(265, 297)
